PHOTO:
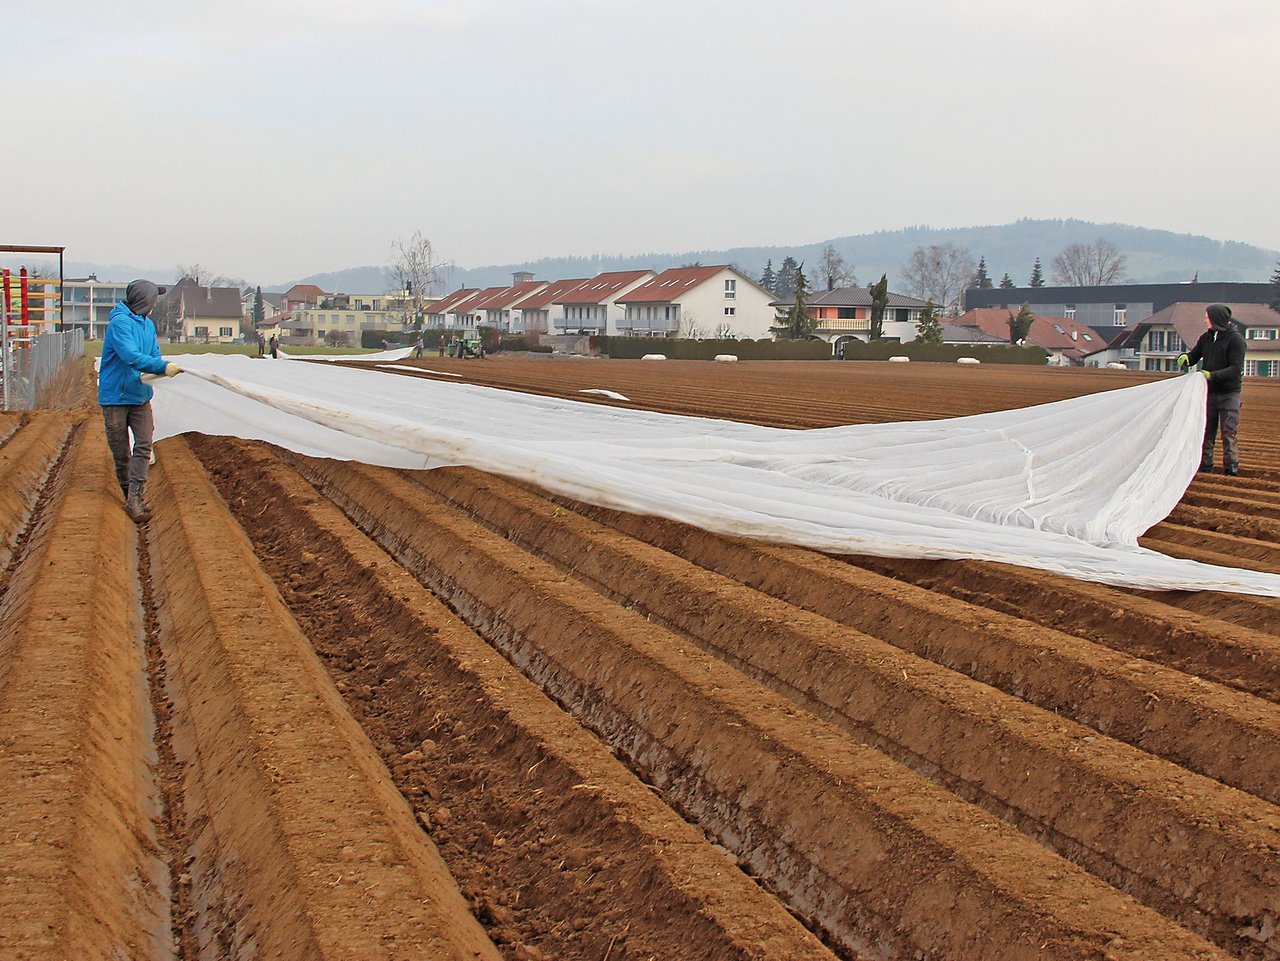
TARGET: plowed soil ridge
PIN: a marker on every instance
(748, 766)
(81, 872)
(1034, 768)
(557, 845)
(300, 846)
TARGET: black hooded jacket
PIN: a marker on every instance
(1222, 351)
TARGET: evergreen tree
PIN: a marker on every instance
(769, 279)
(1020, 326)
(787, 278)
(929, 328)
(1006, 282)
(1037, 274)
(879, 303)
(794, 323)
(981, 280)
(259, 312)
(1275, 287)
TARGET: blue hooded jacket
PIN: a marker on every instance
(129, 349)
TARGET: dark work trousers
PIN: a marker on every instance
(131, 467)
(1223, 410)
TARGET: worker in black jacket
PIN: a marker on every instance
(1220, 352)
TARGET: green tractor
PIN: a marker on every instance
(467, 345)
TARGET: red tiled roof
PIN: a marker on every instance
(309, 293)
(480, 302)
(452, 300)
(670, 284)
(601, 287)
(515, 292)
(1052, 333)
(547, 295)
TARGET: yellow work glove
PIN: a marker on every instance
(1184, 362)
(1207, 375)
(172, 370)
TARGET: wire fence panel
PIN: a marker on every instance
(26, 369)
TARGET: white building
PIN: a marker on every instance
(716, 301)
(592, 306)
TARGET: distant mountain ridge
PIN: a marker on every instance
(1154, 256)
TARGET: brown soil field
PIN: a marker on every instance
(316, 709)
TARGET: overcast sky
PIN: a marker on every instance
(269, 139)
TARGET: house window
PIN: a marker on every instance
(847, 313)
(1119, 315)
(1151, 363)
(351, 320)
(730, 289)
(1070, 312)
(1261, 333)
(1155, 340)
(320, 334)
(730, 311)
(224, 332)
(202, 332)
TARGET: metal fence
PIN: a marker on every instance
(26, 368)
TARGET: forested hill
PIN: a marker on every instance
(1154, 256)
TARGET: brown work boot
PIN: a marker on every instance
(138, 512)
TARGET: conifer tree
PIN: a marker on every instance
(795, 323)
(787, 278)
(1275, 288)
(1020, 326)
(1006, 282)
(769, 279)
(1037, 274)
(879, 303)
(929, 328)
(981, 280)
(259, 312)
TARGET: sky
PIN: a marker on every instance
(272, 139)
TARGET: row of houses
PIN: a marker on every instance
(1142, 326)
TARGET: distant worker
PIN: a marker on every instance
(274, 346)
(1220, 352)
(262, 345)
(419, 347)
(129, 350)
(385, 345)
(442, 345)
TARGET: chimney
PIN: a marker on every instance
(208, 293)
(521, 277)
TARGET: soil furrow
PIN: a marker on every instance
(1212, 547)
(300, 846)
(1212, 730)
(748, 766)
(560, 848)
(26, 461)
(82, 875)
(1152, 626)
(1219, 864)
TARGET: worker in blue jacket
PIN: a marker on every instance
(129, 350)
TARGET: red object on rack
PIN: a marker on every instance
(22, 294)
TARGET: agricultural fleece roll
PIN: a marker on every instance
(1065, 487)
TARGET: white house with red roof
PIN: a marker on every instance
(503, 311)
(1156, 342)
(591, 307)
(539, 312)
(440, 313)
(698, 302)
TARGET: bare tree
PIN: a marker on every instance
(690, 328)
(204, 277)
(415, 271)
(724, 331)
(939, 272)
(833, 271)
(1089, 265)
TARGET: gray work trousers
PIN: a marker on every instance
(120, 420)
(1223, 412)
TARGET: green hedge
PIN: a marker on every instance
(946, 353)
(630, 348)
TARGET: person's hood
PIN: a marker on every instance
(1220, 316)
(141, 296)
